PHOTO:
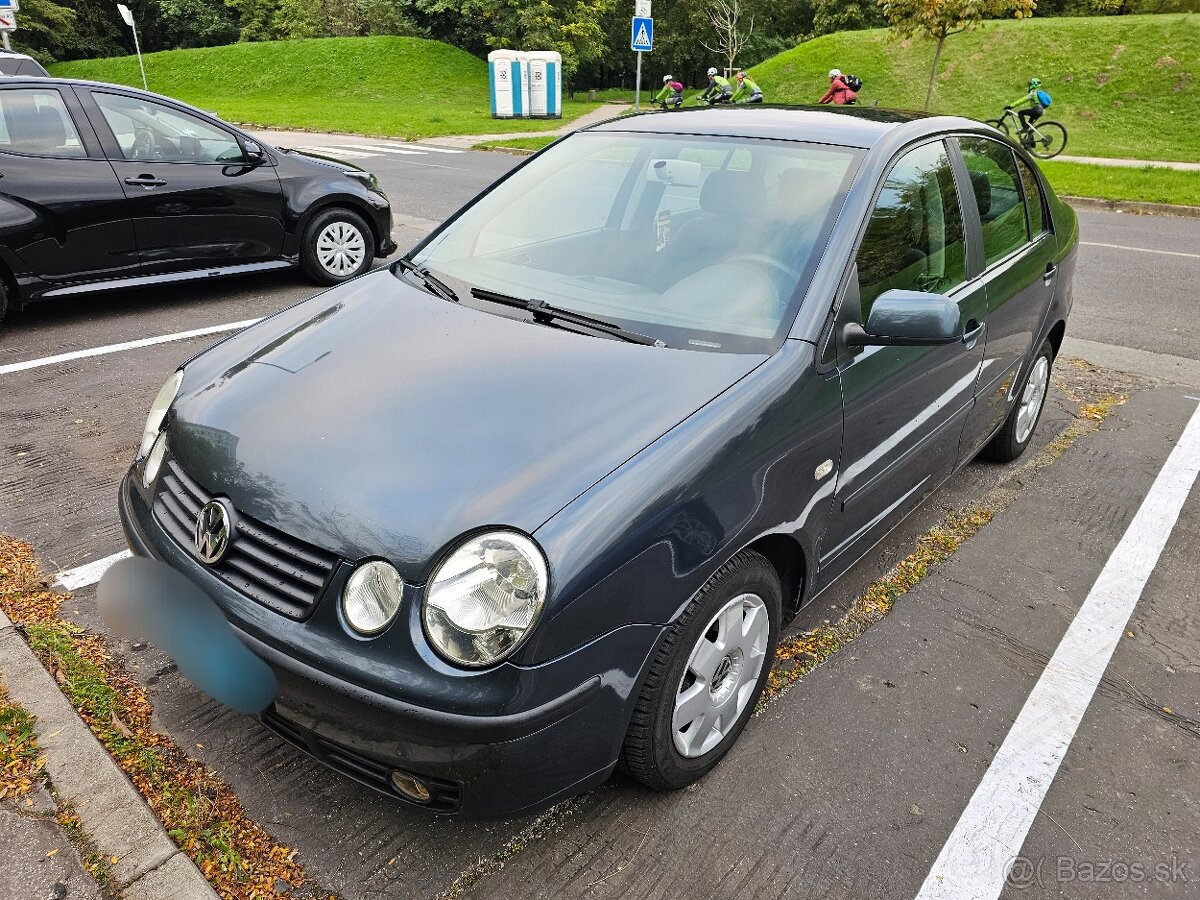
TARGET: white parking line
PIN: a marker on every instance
(1140, 249)
(380, 148)
(433, 149)
(117, 348)
(348, 154)
(977, 857)
(74, 579)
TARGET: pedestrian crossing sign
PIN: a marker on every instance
(642, 35)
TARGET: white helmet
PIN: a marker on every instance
(834, 73)
(667, 78)
(712, 71)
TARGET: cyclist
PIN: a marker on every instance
(747, 91)
(671, 93)
(718, 90)
(1037, 99)
(839, 92)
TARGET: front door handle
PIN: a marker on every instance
(973, 330)
(1051, 271)
(145, 181)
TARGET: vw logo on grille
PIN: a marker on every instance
(212, 532)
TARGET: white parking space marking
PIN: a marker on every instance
(128, 345)
(432, 149)
(349, 154)
(81, 577)
(979, 853)
(1140, 249)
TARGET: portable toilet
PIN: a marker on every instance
(545, 84)
(508, 84)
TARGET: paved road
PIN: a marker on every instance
(850, 785)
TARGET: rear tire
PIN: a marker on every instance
(1017, 431)
(1052, 142)
(338, 245)
(706, 677)
(3, 300)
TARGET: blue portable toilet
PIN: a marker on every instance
(545, 84)
(508, 84)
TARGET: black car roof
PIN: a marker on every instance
(844, 125)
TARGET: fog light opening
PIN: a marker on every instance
(410, 786)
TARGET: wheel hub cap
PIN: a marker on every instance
(1032, 398)
(721, 675)
(341, 248)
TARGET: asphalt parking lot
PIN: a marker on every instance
(875, 775)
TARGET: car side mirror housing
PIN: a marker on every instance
(255, 155)
(906, 319)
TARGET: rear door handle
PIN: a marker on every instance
(145, 181)
(974, 329)
(1051, 270)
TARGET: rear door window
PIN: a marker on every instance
(996, 184)
(35, 121)
(1033, 200)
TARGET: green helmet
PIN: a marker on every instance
(1035, 82)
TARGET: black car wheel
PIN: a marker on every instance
(1014, 436)
(3, 300)
(706, 677)
(337, 246)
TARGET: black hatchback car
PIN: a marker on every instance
(106, 187)
(535, 501)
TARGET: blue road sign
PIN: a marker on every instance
(10, 5)
(642, 35)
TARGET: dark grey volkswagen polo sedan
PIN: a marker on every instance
(534, 502)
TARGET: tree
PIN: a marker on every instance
(732, 31)
(939, 19)
(43, 22)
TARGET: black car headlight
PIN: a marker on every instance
(158, 412)
(485, 598)
(367, 179)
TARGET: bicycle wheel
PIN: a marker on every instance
(1000, 125)
(1049, 141)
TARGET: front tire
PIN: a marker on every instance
(1014, 436)
(338, 245)
(1000, 125)
(706, 677)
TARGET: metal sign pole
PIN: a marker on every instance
(7, 48)
(137, 47)
(637, 93)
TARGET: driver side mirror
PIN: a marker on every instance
(255, 155)
(906, 319)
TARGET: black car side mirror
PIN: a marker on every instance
(906, 319)
(255, 155)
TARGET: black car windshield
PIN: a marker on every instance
(706, 243)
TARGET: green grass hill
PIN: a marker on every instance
(387, 86)
(1124, 86)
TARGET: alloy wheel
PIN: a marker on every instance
(1032, 398)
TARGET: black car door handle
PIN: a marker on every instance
(145, 181)
(974, 329)
(1051, 270)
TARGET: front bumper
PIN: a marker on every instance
(532, 752)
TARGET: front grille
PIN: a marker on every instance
(280, 572)
(445, 796)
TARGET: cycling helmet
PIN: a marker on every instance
(834, 73)
(741, 73)
(712, 71)
(667, 78)
(1035, 82)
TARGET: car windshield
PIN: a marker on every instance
(705, 243)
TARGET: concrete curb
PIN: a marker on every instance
(1135, 207)
(149, 866)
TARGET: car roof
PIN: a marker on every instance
(843, 125)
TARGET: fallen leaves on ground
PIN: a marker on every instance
(21, 763)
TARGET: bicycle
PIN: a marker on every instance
(1044, 139)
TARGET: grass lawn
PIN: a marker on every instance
(383, 86)
(1124, 86)
(1152, 184)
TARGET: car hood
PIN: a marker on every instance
(378, 420)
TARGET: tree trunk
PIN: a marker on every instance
(937, 55)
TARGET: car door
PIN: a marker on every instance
(63, 215)
(194, 200)
(903, 407)
(1019, 275)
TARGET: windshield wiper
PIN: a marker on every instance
(545, 313)
(432, 283)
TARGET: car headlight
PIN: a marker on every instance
(154, 460)
(483, 600)
(372, 597)
(158, 412)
